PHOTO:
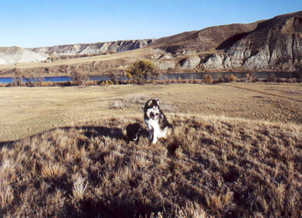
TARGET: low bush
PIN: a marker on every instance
(79, 78)
(230, 78)
(141, 71)
(106, 83)
(271, 77)
(208, 79)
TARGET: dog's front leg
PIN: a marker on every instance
(155, 137)
(151, 135)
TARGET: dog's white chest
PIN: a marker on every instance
(157, 131)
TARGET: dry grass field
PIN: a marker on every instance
(236, 151)
(28, 111)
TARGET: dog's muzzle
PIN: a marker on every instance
(154, 116)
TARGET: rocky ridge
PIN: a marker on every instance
(93, 48)
(16, 55)
(275, 44)
(268, 45)
(13, 55)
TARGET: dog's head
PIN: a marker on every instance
(151, 109)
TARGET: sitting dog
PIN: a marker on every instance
(156, 121)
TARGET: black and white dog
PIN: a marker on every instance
(156, 121)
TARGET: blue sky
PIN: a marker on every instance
(33, 23)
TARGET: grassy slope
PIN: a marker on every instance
(213, 165)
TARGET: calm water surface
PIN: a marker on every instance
(215, 75)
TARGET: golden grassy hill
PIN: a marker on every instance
(236, 152)
(212, 166)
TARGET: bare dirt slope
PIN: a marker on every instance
(202, 40)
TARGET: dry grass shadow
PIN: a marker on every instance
(210, 167)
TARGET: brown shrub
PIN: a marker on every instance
(141, 70)
(208, 79)
(79, 78)
(106, 83)
(271, 77)
(230, 78)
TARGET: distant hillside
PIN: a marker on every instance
(93, 48)
(202, 40)
(276, 44)
(13, 55)
(17, 55)
(266, 45)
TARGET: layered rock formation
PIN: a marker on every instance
(93, 48)
(268, 45)
(13, 55)
(275, 44)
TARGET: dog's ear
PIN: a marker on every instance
(157, 101)
(149, 102)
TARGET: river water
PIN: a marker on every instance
(172, 76)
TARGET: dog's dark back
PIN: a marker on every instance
(133, 131)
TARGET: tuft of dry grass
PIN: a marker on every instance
(211, 167)
(79, 188)
(6, 194)
(52, 170)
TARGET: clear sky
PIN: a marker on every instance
(33, 23)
